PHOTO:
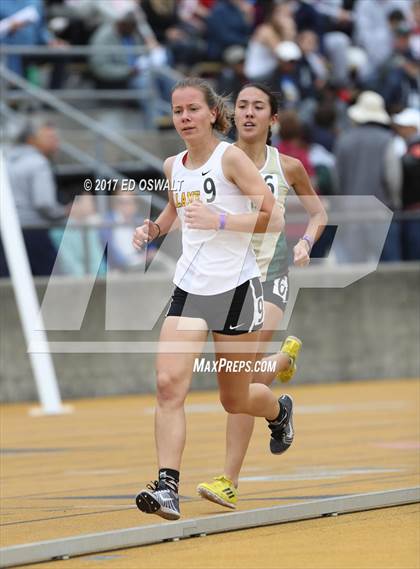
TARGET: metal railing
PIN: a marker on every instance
(82, 119)
(68, 52)
(100, 168)
(85, 94)
(294, 219)
(71, 50)
(78, 50)
(85, 230)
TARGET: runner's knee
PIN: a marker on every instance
(232, 404)
(169, 389)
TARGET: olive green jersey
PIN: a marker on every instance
(271, 248)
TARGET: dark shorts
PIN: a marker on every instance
(277, 291)
(234, 312)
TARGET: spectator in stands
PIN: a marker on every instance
(121, 69)
(311, 56)
(415, 28)
(323, 16)
(180, 36)
(120, 253)
(357, 68)
(229, 23)
(411, 200)
(34, 189)
(322, 163)
(80, 251)
(323, 128)
(163, 18)
(396, 19)
(232, 77)
(80, 18)
(98, 12)
(22, 22)
(261, 57)
(373, 30)
(321, 160)
(292, 142)
(398, 76)
(194, 14)
(333, 23)
(293, 78)
(367, 164)
(407, 125)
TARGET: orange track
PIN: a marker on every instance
(75, 474)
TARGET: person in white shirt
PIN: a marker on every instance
(217, 283)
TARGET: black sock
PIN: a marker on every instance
(169, 478)
(281, 416)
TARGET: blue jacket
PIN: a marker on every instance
(226, 26)
(32, 34)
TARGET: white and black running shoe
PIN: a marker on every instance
(282, 429)
(160, 500)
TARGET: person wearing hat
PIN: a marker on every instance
(407, 125)
(408, 119)
(293, 79)
(367, 164)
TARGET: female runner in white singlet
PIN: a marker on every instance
(217, 281)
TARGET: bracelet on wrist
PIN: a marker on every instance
(222, 220)
(309, 241)
(158, 226)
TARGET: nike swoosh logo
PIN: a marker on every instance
(204, 173)
(237, 326)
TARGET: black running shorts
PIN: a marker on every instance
(277, 291)
(234, 312)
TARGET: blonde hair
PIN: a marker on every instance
(224, 113)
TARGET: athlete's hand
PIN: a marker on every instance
(143, 234)
(199, 216)
(301, 254)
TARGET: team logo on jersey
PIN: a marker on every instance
(182, 199)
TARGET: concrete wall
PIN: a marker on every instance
(370, 329)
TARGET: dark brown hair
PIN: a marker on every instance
(272, 99)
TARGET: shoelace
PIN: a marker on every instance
(153, 486)
(157, 485)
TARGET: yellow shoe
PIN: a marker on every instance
(291, 347)
(221, 490)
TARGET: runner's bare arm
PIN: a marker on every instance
(167, 220)
(298, 178)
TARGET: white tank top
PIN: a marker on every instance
(212, 261)
(259, 61)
